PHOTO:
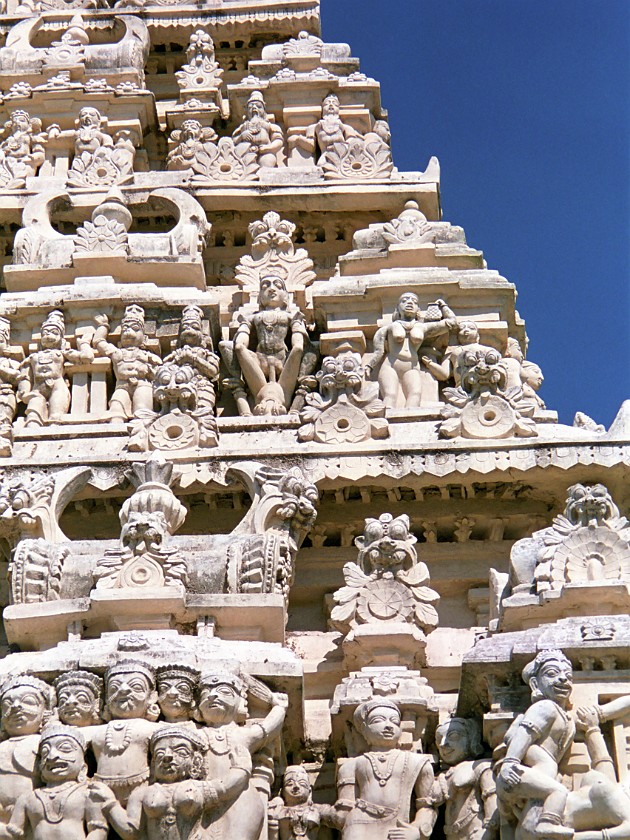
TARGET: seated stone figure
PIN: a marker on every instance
(467, 785)
(260, 133)
(377, 789)
(172, 805)
(25, 706)
(63, 808)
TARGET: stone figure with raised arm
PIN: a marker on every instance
(121, 747)
(396, 346)
(386, 793)
(173, 803)
(458, 359)
(134, 366)
(294, 815)
(221, 703)
(25, 706)
(534, 746)
(63, 808)
(42, 384)
(278, 337)
(79, 698)
(467, 784)
(21, 149)
(259, 132)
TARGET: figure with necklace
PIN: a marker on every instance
(171, 806)
(63, 809)
(260, 133)
(294, 815)
(277, 337)
(386, 793)
(401, 375)
(221, 705)
(121, 747)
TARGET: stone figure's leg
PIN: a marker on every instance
(412, 388)
(389, 385)
(36, 410)
(142, 397)
(59, 400)
(120, 403)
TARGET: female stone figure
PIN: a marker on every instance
(376, 790)
(171, 806)
(221, 702)
(467, 785)
(25, 705)
(396, 348)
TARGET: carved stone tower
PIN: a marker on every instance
(282, 513)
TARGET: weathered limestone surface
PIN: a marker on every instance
(291, 544)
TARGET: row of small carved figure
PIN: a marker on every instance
(272, 357)
(200, 777)
(103, 159)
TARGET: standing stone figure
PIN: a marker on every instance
(134, 366)
(42, 384)
(79, 696)
(171, 807)
(25, 706)
(259, 132)
(294, 815)
(396, 345)
(222, 700)
(272, 368)
(9, 377)
(467, 785)
(534, 746)
(377, 789)
(63, 807)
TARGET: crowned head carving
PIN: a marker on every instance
(130, 691)
(79, 698)
(176, 754)
(379, 721)
(222, 698)
(57, 739)
(550, 677)
(176, 686)
(26, 704)
(386, 544)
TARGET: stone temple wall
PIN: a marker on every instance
(291, 545)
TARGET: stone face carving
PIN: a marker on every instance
(483, 407)
(467, 784)
(21, 149)
(521, 373)
(294, 815)
(176, 687)
(25, 706)
(147, 518)
(386, 792)
(403, 380)
(388, 584)
(42, 384)
(323, 135)
(259, 132)
(64, 805)
(222, 699)
(197, 150)
(35, 571)
(100, 159)
(134, 366)
(9, 378)
(347, 408)
(79, 698)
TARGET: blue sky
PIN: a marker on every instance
(526, 103)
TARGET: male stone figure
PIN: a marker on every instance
(9, 377)
(134, 366)
(257, 131)
(195, 349)
(176, 687)
(79, 696)
(42, 384)
(62, 809)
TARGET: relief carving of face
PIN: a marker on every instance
(129, 695)
(554, 681)
(22, 710)
(174, 385)
(144, 532)
(452, 743)
(382, 727)
(218, 704)
(174, 759)
(51, 337)
(61, 759)
(176, 698)
(296, 789)
(78, 705)
(273, 293)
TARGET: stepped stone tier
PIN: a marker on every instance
(292, 547)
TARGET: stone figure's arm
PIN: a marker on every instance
(530, 730)
(19, 820)
(259, 733)
(587, 719)
(378, 344)
(298, 331)
(620, 707)
(96, 820)
(233, 783)
(99, 339)
(346, 790)
(207, 364)
(127, 823)
(442, 372)
(488, 791)
(25, 379)
(426, 814)
(241, 338)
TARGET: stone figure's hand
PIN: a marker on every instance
(279, 699)
(426, 360)
(404, 831)
(102, 320)
(510, 774)
(101, 795)
(587, 716)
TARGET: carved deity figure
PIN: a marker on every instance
(401, 376)
(386, 793)
(534, 746)
(294, 815)
(271, 369)
(328, 130)
(176, 687)
(260, 132)
(25, 706)
(79, 698)
(63, 807)
(458, 358)
(21, 149)
(521, 373)
(134, 366)
(99, 159)
(222, 700)
(9, 378)
(195, 148)
(194, 348)
(121, 746)
(467, 785)
(173, 804)
(42, 384)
